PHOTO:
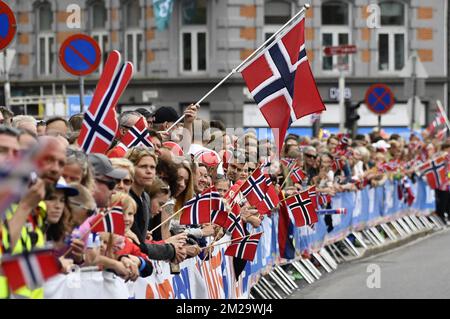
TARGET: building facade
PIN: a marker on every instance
(206, 39)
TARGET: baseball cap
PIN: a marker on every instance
(165, 114)
(102, 167)
(68, 190)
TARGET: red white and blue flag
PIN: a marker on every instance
(336, 211)
(110, 222)
(255, 187)
(435, 172)
(281, 82)
(302, 209)
(437, 122)
(270, 200)
(30, 269)
(203, 209)
(244, 248)
(234, 224)
(286, 227)
(100, 120)
(298, 176)
(136, 136)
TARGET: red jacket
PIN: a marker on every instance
(131, 248)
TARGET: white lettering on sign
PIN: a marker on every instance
(335, 94)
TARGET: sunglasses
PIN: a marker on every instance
(311, 156)
(125, 181)
(111, 184)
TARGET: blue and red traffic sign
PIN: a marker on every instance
(80, 55)
(8, 25)
(379, 98)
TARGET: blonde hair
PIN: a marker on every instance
(125, 164)
(136, 154)
(127, 201)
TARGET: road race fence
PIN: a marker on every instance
(375, 216)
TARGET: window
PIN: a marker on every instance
(98, 18)
(45, 38)
(134, 38)
(276, 14)
(392, 37)
(335, 31)
(194, 36)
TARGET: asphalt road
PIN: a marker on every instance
(420, 269)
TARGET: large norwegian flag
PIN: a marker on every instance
(244, 248)
(100, 120)
(30, 269)
(302, 209)
(255, 187)
(110, 222)
(435, 172)
(281, 82)
(136, 136)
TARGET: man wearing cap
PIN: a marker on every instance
(165, 116)
(106, 178)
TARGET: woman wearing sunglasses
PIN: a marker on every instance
(123, 185)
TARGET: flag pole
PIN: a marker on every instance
(229, 241)
(306, 6)
(441, 109)
(167, 219)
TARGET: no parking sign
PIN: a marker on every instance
(8, 26)
(379, 99)
(80, 55)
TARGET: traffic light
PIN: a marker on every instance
(351, 115)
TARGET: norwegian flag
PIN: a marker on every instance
(110, 222)
(270, 200)
(302, 209)
(440, 135)
(435, 172)
(234, 224)
(405, 192)
(287, 161)
(255, 187)
(336, 211)
(244, 248)
(281, 82)
(30, 269)
(100, 120)
(199, 210)
(136, 136)
(219, 214)
(437, 122)
(318, 199)
(298, 176)
(338, 164)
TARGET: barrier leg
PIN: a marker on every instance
(374, 241)
(280, 283)
(270, 289)
(333, 254)
(416, 222)
(286, 277)
(404, 226)
(411, 224)
(309, 279)
(359, 239)
(325, 255)
(399, 230)
(250, 296)
(311, 268)
(389, 232)
(426, 222)
(322, 262)
(437, 221)
(377, 234)
(258, 290)
(350, 246)
(339, 252)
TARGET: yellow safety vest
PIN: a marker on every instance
(19, 248)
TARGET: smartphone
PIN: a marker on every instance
(33, 178)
